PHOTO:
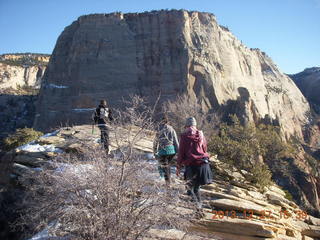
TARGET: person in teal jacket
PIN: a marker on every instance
(166, 146)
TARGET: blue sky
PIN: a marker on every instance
(287, 30)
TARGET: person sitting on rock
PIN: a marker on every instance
(193, 155)
(165, 147)
(101, 116)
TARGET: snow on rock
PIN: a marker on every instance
(50, 134)
(51, 85)
(33, 147)
(82, 109)
(45, 235)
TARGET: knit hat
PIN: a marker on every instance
(191, 121)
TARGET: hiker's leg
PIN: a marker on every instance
(192, 190)
(101, 135)
(161, 161)
(188, 176)
(196, 190)
(105, 138)
(168, 168)
(191, 185)
(106, 141)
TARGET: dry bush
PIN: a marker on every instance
(184, 107)
(21, 137)
(94, 196)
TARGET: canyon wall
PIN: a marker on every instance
(308, 82)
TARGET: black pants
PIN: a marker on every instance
(193, 189)
(104, 137)
(165, 163)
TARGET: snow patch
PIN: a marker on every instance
(50, 134)
(83, 109)
(32, 147)
(75, 169)
(45, 235)
(51, 85)
(150, 156)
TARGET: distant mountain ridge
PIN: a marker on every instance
(25, 59)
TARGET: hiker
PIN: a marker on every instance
(193, 155)
(101, 116)
(165, 147)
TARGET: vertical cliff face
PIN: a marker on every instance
(308, 82)
(15, 77)
(168, 52)
(18, 71)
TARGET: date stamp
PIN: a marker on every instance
(261, 215)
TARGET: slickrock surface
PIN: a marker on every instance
(168, 52)
(232, 210)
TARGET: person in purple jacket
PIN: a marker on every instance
(193, 155)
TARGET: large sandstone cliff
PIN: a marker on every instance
(167, 52)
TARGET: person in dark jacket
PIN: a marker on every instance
(102, 116)
(193, 155)
(165, 147)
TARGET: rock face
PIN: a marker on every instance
(168, 53)
(19, 76)
(18, 71)
(309, 83)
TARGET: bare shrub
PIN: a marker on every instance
(94, 196)
(184, 107)
(21, 137)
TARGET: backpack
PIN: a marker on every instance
(102, 114)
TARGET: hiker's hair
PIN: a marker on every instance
(103, 102)
(165, 118)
